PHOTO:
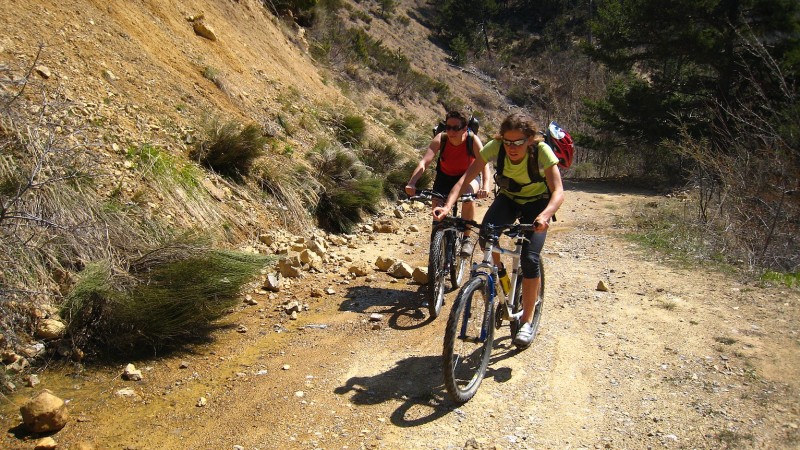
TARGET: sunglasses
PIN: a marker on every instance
(453, 127)
(516, 143)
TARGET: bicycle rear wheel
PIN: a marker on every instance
(461, 264)
(436, 272)
(468, 341)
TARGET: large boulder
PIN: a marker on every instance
(44, 413)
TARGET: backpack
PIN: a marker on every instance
(561, 142)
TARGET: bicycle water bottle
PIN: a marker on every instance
(505, 283)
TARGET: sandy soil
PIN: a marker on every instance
(671, 356)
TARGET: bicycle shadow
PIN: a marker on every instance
(502, 349)
(404, 308)
(417, 381)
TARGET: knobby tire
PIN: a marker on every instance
(436, 272)
(468, 341)
(461, 264)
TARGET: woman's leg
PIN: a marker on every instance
(531, 269)
(502, 211)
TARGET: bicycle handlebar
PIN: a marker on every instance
(427, 194)
(511, 230)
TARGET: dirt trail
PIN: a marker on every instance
(670, 357)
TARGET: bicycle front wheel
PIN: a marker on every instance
(436, 272)
(468, 341)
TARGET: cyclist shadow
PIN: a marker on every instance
(403, 307)
(502, 349)
(416, 381)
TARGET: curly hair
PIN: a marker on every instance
(519, 121)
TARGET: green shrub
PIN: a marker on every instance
(334, 165)
(340, 208)
(460, 48)
(347, 188)
(786, 279)
(518, 94)
(172, 293)
(398, 126)
(229, 149)
(396, 180)
(583, 170)
(351, 130)
(381, 158)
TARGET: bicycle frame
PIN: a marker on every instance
(469, 335)
(488, 270)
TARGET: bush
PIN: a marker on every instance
(172, 293)
(340, 208)
(583, 170)
(396, 180)
(229, 149)
(294, 192)
(347, 188)
(351, 130)
(518, 94)
(398, 126)
(381, 158)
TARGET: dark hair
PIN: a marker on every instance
(518, 121)
(456, 115)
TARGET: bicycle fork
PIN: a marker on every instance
(491, 290)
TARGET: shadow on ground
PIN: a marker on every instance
(405, 308)
(417, 382)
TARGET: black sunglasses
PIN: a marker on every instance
(453, 128)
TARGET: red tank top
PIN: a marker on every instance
(454, 159)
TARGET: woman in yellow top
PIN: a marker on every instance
(533, 201)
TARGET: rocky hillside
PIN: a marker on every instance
(126, 90)
(129, 74)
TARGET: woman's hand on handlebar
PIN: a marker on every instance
(440, 212)
(411, 190)
(540, 224)
(482, 193)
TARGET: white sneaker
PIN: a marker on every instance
(467, 247)
(524, 336)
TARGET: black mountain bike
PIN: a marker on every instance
(445, 258)
(469, 335)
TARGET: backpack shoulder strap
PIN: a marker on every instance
(533, 166)
(501, 159)
(442, 145)
(470, 140)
